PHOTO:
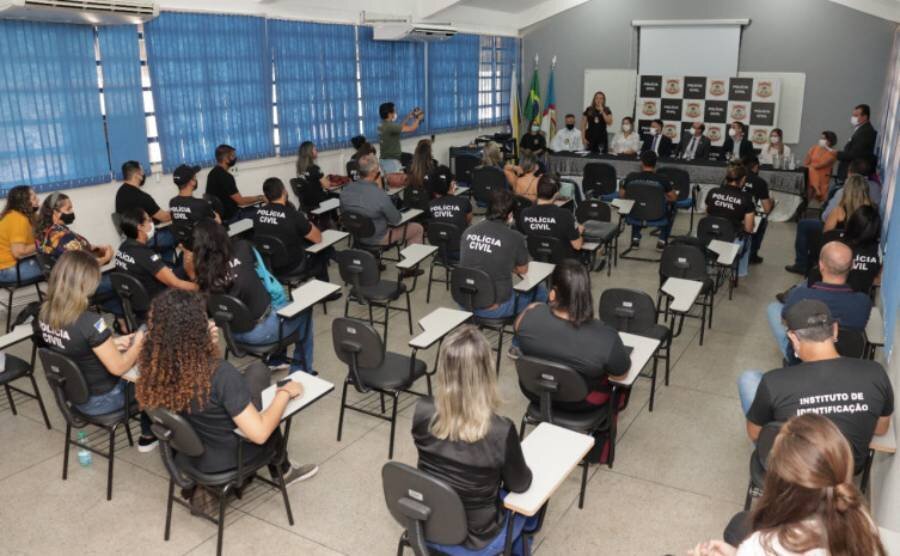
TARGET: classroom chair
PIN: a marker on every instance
(361, 227)
(852, 343)
(650, 210)
(599, 180)
(416, 197)
(275, 255)
(134, 297)
(601, 229)
(545, 249)
(687, 196)
(446, 237)
(473, 289)
(486, 180)
(463, 166)
(16, 368)
(681, 260)
(13, 286)
(371, 368)
(722, 229)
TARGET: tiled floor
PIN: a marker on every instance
(679, 475)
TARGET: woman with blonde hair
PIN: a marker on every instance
(593, 124)
(809, 505)
(856, 195)
(524, 178)
(492, 155)
(462, 441)
(66, 326)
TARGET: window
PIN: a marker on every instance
(499, 55)
(149, 108)
(453, 79)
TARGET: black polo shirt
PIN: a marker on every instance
(730, 203)
(187, 211)
(287, 224)
(313, 193)
(129, 196)
(757, 187)
(245, 283)
(550, 221)
(221, 184)
(534, 142)
(451, 209)
(495, 248)
(77, 341)
(143, 263)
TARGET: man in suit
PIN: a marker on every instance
(695, 145)
(736, 145)
(656, 141)
(861, 143)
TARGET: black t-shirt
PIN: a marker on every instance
(550, 221)
(129, 196)
(648, 178)
(757, 187)
(143, 263)
(77, 341)
(213, 421)
(853, 393)
(245, 284)
(493, 247)
(730, 203)
(187, 211)
(534, 142)
(593, 349)
(287, 224)
(866, 267)
(313, 193)
(451, 209)
(220, 184)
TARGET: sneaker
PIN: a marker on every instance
(635, 243)
(780, 297)
(755, 259)
(147, 444)
(655, 232)
(796, 269)
(513, 353)
(278, 361)
(297, 473)
(660, 245)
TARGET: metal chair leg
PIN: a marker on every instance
(169, 502)
(112, 459)
(499, 349)
(341, 415)
(287, 502)
(653, 379)
(12, 404)
(584, 474)
(409, 313)
(221, 523)
(40, 401)
(428, 290)
(68, 441)
(393, 425)
(9, 301)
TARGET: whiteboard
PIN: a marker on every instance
(790, 107)
(620, 86)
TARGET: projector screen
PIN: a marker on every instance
(689, 50)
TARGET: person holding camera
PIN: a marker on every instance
(389, 134)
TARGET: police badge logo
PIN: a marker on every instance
(764, 89)
(673, 87)
(717, 88)
(715, 134)
(739, 112)
(693, 110)
(669, 131)
(760, 137)
(649, 108)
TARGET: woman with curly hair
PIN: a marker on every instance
(181, 370)
(223, 267)
(17, 236)
(66, 326)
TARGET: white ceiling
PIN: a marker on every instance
(506, 6)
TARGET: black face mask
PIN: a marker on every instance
(570, 126)
(67, 218)
(232, 162)
(143, 180)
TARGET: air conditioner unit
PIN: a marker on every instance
(88, 12)
(424, 32)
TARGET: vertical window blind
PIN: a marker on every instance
(453, 67)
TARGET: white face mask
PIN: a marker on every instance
(823, 143)
(775, 139)
(535, 128)
(654, 132)
(854, 121)
(731, 132)
(151, 232)
(626, 127)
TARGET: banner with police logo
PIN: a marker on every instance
(679, 101)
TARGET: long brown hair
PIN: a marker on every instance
(856, 194)
(178, 357)
(19, 199)
(810, 477)
(421, 164)
(74, 279)
(54, 202)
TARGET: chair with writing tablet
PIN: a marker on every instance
(687, 197)
(545, 249)
(473, 289)
(546, 383)
(70, 389)
(275, 255)
(634, 312)
(681, 260)
(599, 180)
(650, 209)
(179, 443)
(486, 180)
(446, 237)
(15, 368)
(134, 297)
(430, 511)
(463, 166)
(722, 229)
(361, 227)
(601, 228)
(416, 197)
(370, 368)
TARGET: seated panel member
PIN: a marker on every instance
(279, 218)
(732, 202)
(548, 220)
(130, 195)
(568, 138)
(187, 210)
(695, 145)
(736, 145)
(774, 147)
(648, 175)
(656, 141)
(534, 140)
(220, 183)
(136, 258)
(626, 142)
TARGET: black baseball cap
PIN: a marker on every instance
(439, 179)
(184, 174)
(807, 313)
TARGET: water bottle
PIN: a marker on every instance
(84, 455)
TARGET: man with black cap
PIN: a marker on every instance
(186, 210)
(855, 394)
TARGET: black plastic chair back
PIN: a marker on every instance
(681, 260)
(176, 435)
(851, 343)
(715, 227)
(519, 204)
(446, 237)
(133, 295)
(406, 160)
(627, 310)
(551, 382)
(183, 232)
(486, 180)
(598, 178)
(463, 166)
(592, 209)
(273, 251)
(357, 267)
(216, 203)
(358, 345)
(472, 288)
(416, 197)
(428, 508)
(45, 261)
(358, 225)
(66, 380)
(680, 179)
(649, 201)
(230, 314)
(546, 249)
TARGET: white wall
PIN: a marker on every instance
(93, 205)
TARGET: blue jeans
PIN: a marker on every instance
(807, 229)
(28, 269)
(164, 243)
(758, 236)
(514, 305)
(114, 400)
(105, 289)
(773, 313)
(266, 332)
(744, 261)
(390, 165)
(664, 225)
(521, 524)
(242, 213)
(748, 384)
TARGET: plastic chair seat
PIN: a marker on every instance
(601, 232)
(494, 322)
(385, 290)
(261, 350)
(657, 332)
(583, 421)
(21, 284)
(393, 374)
(262, 458)
(106, 419)
(15, 368)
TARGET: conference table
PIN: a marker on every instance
(792, 182)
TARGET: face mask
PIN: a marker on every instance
(775, 139)
(570, 127)
(854, 121)
(151, 232)
(731, 132)
(654, 131)
(67, 218)
(35, 208)
(823, 143)
(143, 180)
(627, 127)
(535, 129)
(232, 162)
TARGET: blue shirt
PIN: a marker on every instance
(849, 308)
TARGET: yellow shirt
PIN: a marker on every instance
(15, 227)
